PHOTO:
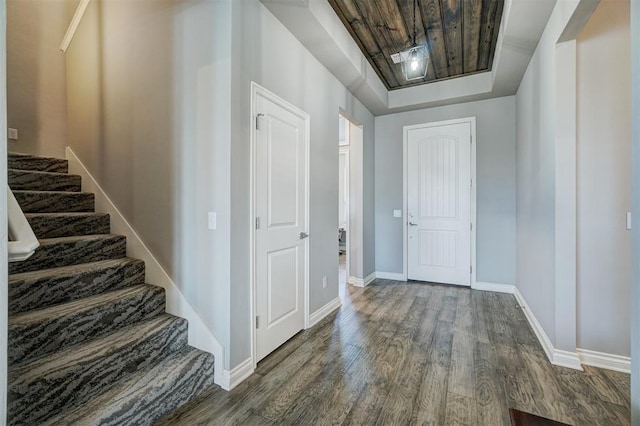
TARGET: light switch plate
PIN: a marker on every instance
(212, 220)
(628, 220)
(397, 213)
(13, 134)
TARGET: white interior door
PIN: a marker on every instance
(281, 239)
(439, 204)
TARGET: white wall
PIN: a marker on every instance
(272, 57)
(496, 184)
(604, 180)
(36, 94)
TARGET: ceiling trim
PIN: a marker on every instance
(319, 29)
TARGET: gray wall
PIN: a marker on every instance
(496, 185)
(36, 95)
(536, 190)
(272, 57)
(604, 180)
(158, 94)
(148, 105)
(635, 241)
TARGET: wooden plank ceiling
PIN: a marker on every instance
(460, 35)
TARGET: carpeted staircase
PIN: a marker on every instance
(89, 342)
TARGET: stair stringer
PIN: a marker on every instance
(200, 335)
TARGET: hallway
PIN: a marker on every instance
(414, 353)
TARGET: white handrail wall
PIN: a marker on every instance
(73, 26)
(22, 241)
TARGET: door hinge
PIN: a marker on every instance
(257, 321)
(471, 182)
(471, 227)
(257, 118)
(257, 223)
(471, 269)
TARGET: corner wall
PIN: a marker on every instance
(604, 180)
(547, 181)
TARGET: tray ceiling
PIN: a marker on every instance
(460, 35)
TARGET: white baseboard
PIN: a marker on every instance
(199, 334)
(321, 313)
(235, 376)
(362, 282)
(394, 276)
(556, 356)
(498, 288)
(566, 359)
(605, 360)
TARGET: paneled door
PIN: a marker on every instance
(281, 243)
(439, 203)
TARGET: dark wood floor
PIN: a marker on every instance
(413, 353)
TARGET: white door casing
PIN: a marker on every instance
(281, 148)
(439, 215)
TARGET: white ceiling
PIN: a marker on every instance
(319, 29)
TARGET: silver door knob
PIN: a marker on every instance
(303, 235)
(413, 224)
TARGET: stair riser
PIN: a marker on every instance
(57, 202)
(38, 293)
(68, 226)
(47, 335)
(79, 380)
(33, 181)
(25, 162)
(189, 382)
(72, 253)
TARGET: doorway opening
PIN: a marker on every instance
(343, 202)
(350, 200)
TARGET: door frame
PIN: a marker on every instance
(405, 184)
(344, 149)
(256, 91)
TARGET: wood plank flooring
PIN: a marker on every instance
(401, 353)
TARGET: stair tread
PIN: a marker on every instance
(64, 214)
(81, 305)
(25, 191)
(38, 172)
(21, 161)
(86, 351)
(66, 379)
(133, 400)
(70, 270)
(57, 240)
(54, 201)
(73, 250)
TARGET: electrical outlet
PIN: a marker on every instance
(13, 134)
(212, 220)
(324, 282)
